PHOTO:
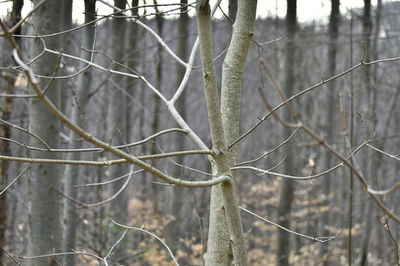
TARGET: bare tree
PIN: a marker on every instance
(226, 242)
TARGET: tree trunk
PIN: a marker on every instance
(369, 156)
(44, 201)
(233, 7)
(219, 119)
(329, 125)
(5, 132)
(287, 186)
(117, 116)
(78, 110)
(178, 193)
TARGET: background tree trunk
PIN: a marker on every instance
(7, 82)
(287, 185)
(117, 114)
(179, 193)
(329, 125)
(44, 202)
(233, 7)
(78, 112)
(370, 116)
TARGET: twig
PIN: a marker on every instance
(107, 182)
(113, 246)
(270, 151)
(15, 179)
(320, 239)
(27, 132)
(149, 233)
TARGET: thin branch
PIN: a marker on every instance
(15, 179)
(99, 149)
(11, 256)
(155, 35)
(149, 233)
(320, 239)
(384, 192)
(102, 163)
(27, 132)
(113, 246)
(270, 151)
(324, 81)
(61, 254)
(113, 196)
(310, 177)
(109, 181)
(385, 153)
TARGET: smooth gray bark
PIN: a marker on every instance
(71, 174)
(218, 247)
(44, 202)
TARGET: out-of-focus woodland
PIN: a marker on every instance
(325, 165)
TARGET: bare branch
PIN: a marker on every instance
(320, 239)
(15, 179)
(149, 233)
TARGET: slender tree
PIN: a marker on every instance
(369, 161)
(117, 114)
(71, 174)
(287, 185)
(44, 201)
(224, 125)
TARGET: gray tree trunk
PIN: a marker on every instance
(287, 187)
(224, 126)
(77, 116)
(7, 84)
(369, 157)
(178, 193)
(117, 115)
(44, 202)
(329, 125)
(233, 7)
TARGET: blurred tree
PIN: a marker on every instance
(287, 185)
(328, 123)
(233, 6)
(44, 201)
(71, 174)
